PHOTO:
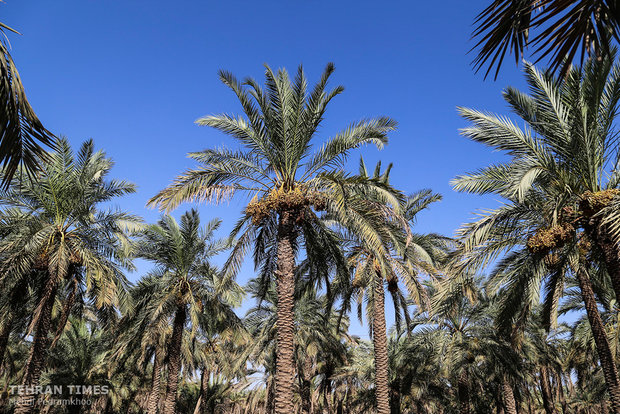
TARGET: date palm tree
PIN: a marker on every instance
(317, 339)
(189, 291)
(474, 352)
(560, 179)
(289, 180)
(55, 225)
(22, 135)
(401, 258)
(80, 358)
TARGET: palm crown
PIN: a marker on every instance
(276, 135)
(55, 223)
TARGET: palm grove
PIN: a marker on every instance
(478, 317)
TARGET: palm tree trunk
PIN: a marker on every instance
(561, 395)
(174, 360)
(204, 384)
(285, 280)
(305, 378)
(545, 388)
(463, 393)
(509, 397)
(4, 334)
(155, 385)
(39, 348)
(603, 349)
(597, 232)
(379, 340)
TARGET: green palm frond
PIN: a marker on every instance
(22, 135)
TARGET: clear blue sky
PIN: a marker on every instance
(135, 75)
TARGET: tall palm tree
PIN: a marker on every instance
(55, 225)
(402, 256)
(560, 177)
(141, 338)
(22, 135)
(317, 339)
(277, 165)
(189, 289)
(568, 29)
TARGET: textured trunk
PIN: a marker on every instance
(379, 340)
(38, 351)
(509, 397)
(463, 392)
(603, 240)
(204, 384)
(285, 279)
(66, 311)
(603, 349)
(174, 360)
(562, 396)
(545, 388)
(4, 334)
(153, 402)
(305, 378)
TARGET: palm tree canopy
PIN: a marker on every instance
(184, 275)
(55, 222)
(566, 153)
(276, 136)
(568, 30)
(405, 254)
(277, 166)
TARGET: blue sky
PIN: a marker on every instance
(135, 75)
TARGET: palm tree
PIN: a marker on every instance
(568, 29)
(318, 341)
(15, 307)
(288, 181)
(402, 256)
(79, 358)
(557, 183)
(140, 338)
(188, 287)
(54, 225)
(21, 133)
(474, 350)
